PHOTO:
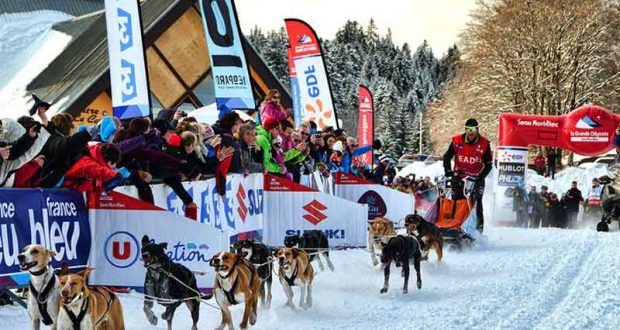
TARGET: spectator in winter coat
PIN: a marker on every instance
(96, 171)
(573, 198)
(519, 205)
(335, 160)
(557, 212)
(286, 133)
(251, 153)
(352, 150)
(545, 196)
(17, 151)
(379, 172)
(551, 158)
(265, 135)
(593, 209)
(616, 143)
(272, 107)
(539, 164)
(226, 127)
(534, 208)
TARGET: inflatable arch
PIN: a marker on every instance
(588, 130)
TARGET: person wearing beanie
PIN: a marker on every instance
(472, 158)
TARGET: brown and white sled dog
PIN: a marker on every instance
(236, 281)
(44, 288)
(379, 231)
(295, 270)
(87, 308)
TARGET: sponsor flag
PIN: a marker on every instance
(315, 90)
(365, 128)
(130, 94)
(231, 75)
(292, 73)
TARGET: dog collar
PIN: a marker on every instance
(76, 320)
(39, 272)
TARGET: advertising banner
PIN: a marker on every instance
(295, 92)
(365, 127)
(315, 91)
(130, 95)
(119, 222)
(292, 208)
(56, 219)
(382, 201)
(231, 74)
(239, 212)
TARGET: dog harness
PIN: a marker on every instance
(291, 280)
(43, 296)
(230, 295)
(76, 320)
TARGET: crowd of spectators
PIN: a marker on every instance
(172, 148)
(546, 209)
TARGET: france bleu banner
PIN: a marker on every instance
(231, 76)
(130, 95)
(315, 90)
(56, 219)
(296, 93)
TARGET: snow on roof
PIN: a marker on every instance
(27, 46)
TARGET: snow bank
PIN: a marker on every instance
(421, 169)
(27, 46)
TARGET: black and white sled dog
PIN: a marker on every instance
(314, 243)
(162, 281)
(259, 255)
(401, 249)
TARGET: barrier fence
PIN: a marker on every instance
(107, 235)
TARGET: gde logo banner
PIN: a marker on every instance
(121, 249)
(58, 220)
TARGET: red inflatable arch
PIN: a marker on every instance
(588, 130)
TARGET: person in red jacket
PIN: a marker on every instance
(539, 164)
(95, 171)
(472, 158)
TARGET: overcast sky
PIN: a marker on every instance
(411, 21)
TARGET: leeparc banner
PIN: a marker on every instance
(231, 75)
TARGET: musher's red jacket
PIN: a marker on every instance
(472, 159)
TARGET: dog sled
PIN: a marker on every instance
(454, 212)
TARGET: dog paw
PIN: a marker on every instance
(150, 316)
(419, 284)
(384, 290)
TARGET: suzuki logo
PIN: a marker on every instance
(121, 249)
(242, 209)
(315, 215)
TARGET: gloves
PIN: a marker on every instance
(376, 144)
(124, 172)
(449, 174)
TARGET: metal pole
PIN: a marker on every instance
(420, 133)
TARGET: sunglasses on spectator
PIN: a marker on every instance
(471, 129)
(276, 97)
(304, 133)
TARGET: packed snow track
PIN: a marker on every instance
(520, 279)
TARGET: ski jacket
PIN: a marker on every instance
(539, 162)
(269, 109)
(594, 196)
(469, 158)
(572, 198)
(89, 173)
(265, 140)
(348, 157)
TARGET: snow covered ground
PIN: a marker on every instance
(520, 279)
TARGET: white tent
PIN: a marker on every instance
(208, 114)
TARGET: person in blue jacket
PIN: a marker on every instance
(353, 150)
